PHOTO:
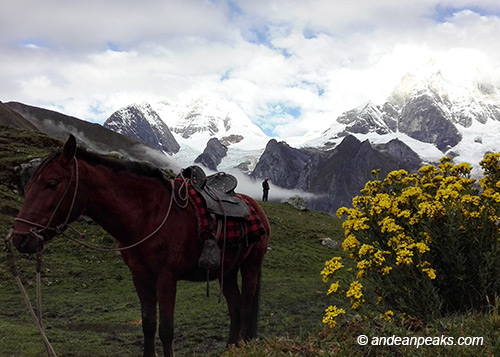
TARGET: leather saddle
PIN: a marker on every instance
(218, 192)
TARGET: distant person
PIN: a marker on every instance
(265, 189)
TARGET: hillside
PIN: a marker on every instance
(8, 117)
(91, 135)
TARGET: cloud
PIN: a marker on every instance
(311, 59)
(253, 188)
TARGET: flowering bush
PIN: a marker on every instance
(427, 242)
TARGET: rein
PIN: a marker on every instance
(36, 317)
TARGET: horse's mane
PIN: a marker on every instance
(134, 167)
(92, 158)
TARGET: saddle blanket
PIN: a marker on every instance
(237, 229)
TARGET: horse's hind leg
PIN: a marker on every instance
(232, 294)
(250, 291)
(253, 314)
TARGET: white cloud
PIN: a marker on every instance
(313, 59)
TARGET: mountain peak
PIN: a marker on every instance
(142, 123)
(206, 116)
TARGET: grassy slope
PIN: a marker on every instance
(90, 306)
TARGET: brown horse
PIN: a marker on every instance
(140, 208)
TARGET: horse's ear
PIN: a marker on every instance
(69, 148)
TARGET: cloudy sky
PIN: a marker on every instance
(290, 64)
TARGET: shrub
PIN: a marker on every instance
(426, 242)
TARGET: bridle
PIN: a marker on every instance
(37, 229)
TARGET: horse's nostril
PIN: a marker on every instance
(28, 244)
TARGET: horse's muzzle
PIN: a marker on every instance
(29, 243)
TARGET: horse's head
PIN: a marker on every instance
(51, 200)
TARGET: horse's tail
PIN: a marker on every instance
(254, 311)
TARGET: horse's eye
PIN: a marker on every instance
(51, 184)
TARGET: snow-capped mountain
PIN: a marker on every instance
(142, 123)
(192, 123)
(431, 114)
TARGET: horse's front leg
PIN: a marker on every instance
(147, 297)
(232, 294)
(167, 287)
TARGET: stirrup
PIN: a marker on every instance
(210, 255)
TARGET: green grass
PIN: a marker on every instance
(91, 308)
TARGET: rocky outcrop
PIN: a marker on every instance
(337, 175)
(367, 118)
(424, 120)
(212, 155)
(401, 152)
(281, 163)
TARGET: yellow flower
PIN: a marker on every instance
(394, 176)
(331, 313)
(365, 249)
(381, 202)
(403, 257)
(404, 214)
(333, 288)
(389, 225)
(474, 200)
(363, 264)
(371, 188)
(349, 243)
(355, 290)
(385, 270)
(431, 273)
(331, 266)
(378, 257)
(387, 316)
(356, 304)
(463, 169)
(341, 211)
(422, 247)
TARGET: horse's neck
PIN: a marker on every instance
(120, 202)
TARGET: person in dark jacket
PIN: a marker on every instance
(265, 189)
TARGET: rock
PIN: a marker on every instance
(297, 202)
(330, 243)
(25, 171)
(212, 155)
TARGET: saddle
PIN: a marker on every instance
(218, 192)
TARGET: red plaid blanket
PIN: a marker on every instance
(237, 229)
